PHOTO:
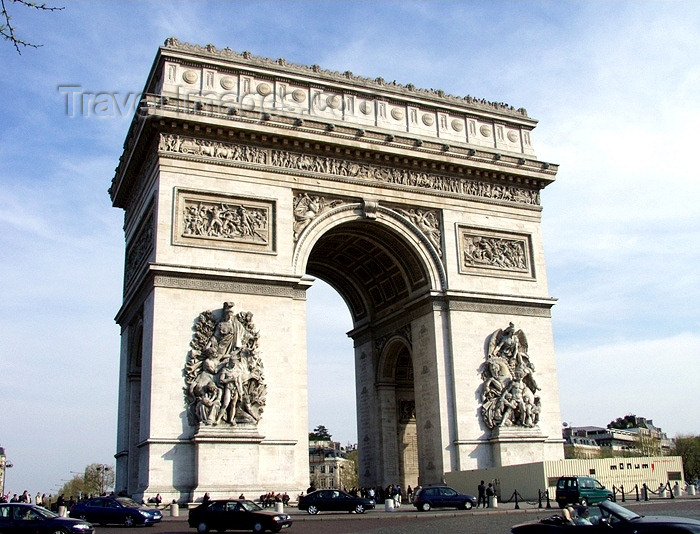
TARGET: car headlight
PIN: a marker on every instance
(82, 526)
(144, 513)
(284, 517)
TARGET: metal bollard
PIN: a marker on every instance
(174, 510)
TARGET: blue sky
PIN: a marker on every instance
(613, 84)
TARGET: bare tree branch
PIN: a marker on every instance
(7, 30)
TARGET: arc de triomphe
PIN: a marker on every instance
(242, 178)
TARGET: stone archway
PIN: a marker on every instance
(241, 179)
(376, 271)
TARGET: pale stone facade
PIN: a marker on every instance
(531, 480)
(241, 179)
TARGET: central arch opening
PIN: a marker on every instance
(377, 274)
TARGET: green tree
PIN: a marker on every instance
(97, 479)
(349, 473)
(623, 423)
(688, 448)
(7, 29)
(320, 433)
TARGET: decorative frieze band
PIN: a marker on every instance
(500, 309)
(312, 164)
(228, 286)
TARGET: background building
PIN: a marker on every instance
(329, 466)
(639, 437)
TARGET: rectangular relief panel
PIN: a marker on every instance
(219, 221)
(493, 253)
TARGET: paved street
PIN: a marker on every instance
(407, 520)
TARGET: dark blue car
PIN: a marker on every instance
(19, 518)
(121, 510)
(442, 497)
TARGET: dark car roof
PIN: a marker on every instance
(52, 517)
(202, 507)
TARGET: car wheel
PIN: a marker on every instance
(425, 506)
(128, 521)
(584, 502)
(360, 509)
(59, 531)
(312, 509)
(202, 528)
(257, 527)
(467, 505)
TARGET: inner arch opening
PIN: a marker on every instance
(330, 363)
(378, 274)
(374, 270)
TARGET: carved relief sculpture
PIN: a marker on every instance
(224, 382)
(246, 155)
(429, 223)
(307, 208)
(508, 254)
(225, 221)
(509, 395)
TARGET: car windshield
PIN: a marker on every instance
(607, 508)
(250, 506)
(129, 503)
(45, 512)
(35, 512)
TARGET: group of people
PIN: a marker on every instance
(392, 491)
(484, 494)
(268, 500)
(39, 500)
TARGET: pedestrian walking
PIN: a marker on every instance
(481, 495)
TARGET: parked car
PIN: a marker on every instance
(333, 500)
(21, 518)
(612, 518)
(581, 490)
(122, 510)
(236, 514)
(442, 497)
